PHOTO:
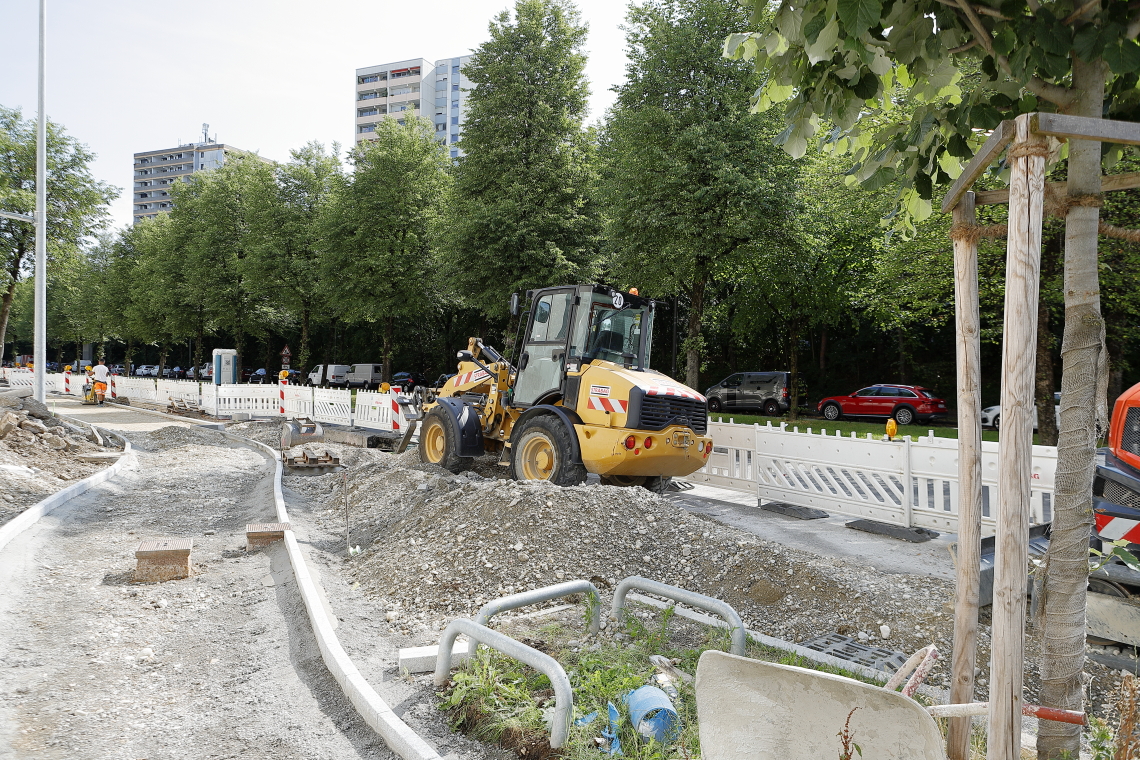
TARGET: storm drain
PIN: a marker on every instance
(852, 650)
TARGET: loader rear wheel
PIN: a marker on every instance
(654, 483)
(544, 451)
(438, 443)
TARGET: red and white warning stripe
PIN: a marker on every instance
(395, 414)
(603, 404)
(281, 395)
(67, 382)
(673, 390)
(469, 377)
(111, 382)
(1115, 528)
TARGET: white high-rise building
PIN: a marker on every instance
(437, 92)
(156, 170)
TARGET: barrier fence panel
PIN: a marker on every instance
(18, 377)
(259, 400)
(141, 388)
(906, 482)
(379, 411)
(298, 401)
(332, 405)
(185, 390)
(208, 398)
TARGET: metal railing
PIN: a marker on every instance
(545, 594)
(684, 596)
(544, 663)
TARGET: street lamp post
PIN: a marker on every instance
(39, 347)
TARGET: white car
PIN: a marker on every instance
(991, 415)
(146, 370)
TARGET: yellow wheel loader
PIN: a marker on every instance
(582, 398)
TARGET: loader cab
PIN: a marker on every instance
(569, 327)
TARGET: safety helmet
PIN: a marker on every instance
(88, 368)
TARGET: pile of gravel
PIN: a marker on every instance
(39, 454)
(176, 436)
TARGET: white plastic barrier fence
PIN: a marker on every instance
(18, 377)
(298, 401)
(260, 400)
(379, 411)
(169, 390)
(913, 483)
(332, 405)
(140, 388)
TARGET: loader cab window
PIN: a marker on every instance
(543, 360)
(551, 319)
(619, 335)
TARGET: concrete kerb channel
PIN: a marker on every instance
(398, 735)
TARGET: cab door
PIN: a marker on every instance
(542, 363)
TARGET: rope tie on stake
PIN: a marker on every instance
(972, 233)
(1028, 149)
(1120, 233)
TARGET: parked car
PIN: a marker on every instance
(146, 370)
(175, 373)
(764, 391)
(295, 377)
(906, 403)
(406, 381)
(991, 415)
(442, 380)
(250, 375)
(115, 369)
(365, 376)
(329, 375)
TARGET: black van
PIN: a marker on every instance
(766, 392)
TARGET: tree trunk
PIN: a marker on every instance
(693, 333)
(823, 350)
(387, 349)
(1065, 577)
(794, 371)
(303, 354)
(5, 310)
(128, 360)
(198, 354)
(162, 351)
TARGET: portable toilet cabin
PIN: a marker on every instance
(225, 366)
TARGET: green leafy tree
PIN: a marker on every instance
(77, 203)
(289, 207)
(521, 215)
(378, 268)
(692, 186)
(846, 63)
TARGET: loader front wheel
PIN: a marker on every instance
(544, 451)
(439, 443)
(654, 483)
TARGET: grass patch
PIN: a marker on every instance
(847, 427)
(499, 700)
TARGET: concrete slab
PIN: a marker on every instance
(825, 536)
(755, 710)
(163, 559)
(117, 416)
(422, 659)
(258, 535)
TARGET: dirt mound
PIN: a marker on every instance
(174, 436)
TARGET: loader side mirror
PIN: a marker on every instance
(465, 356)
(515, 307)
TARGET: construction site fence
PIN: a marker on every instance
(908, 482)
(368, 409)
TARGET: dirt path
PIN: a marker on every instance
(219, 665)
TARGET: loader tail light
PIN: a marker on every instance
(630, 441)
(649, 442)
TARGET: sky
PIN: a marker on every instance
(126, 76)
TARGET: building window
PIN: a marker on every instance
(455, 69)
(368, 95)
(455, 138)
(455, 154)
(440, 127)
(367, 112)
(368, 78)
(454, 119)
(400, 122)
(367, 128)
(455, 88)
(454, 105)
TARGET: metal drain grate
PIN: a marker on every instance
(852, 650)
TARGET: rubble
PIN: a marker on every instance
(40, 454)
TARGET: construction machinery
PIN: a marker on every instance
(582, 398)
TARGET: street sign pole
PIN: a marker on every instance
(39, 346)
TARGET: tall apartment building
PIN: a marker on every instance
(157, 170)
(436, 92)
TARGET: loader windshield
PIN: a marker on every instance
(620, 335)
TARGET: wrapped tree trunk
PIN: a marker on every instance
(1065, 576)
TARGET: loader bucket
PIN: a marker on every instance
(753, 710)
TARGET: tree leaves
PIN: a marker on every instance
(858, 16)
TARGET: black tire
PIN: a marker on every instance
(997, 422)
(771, 408)
(715, 405)
(543, 451)
(904, 415)
(832, 412)
(439, 442)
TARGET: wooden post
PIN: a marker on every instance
(967, 323)
(1027, 155)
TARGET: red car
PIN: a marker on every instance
(906, 403)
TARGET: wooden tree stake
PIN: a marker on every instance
(968, 328)
(1027, 155)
